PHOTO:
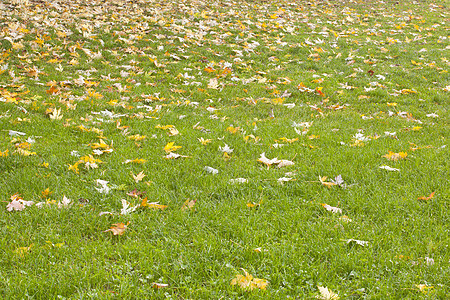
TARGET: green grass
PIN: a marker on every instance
(370, 55)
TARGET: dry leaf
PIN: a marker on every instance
(334, 210)
(326, 294)
(188, 204)
(139, 176)
(427, 198)
(247, 282)
(118, 228)
(395, 156)
(156, 285)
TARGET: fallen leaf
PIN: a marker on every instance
(118, 228)
(248, 282)
(188, 204)
(427, 198)
(395, 156)
(389, 168)
(138, 177)
(334, 210)
(423, 288)
(170, 147)
(156, 285)
(326, 294)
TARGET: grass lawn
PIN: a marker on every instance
(224, 149)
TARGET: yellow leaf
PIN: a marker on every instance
(164, 127)
(154, 205)
(170, 147)
(101, 145)
(137, 137)
(4, 153)
(407, 91)
(247, 282)
(74, 167)
(395, 156)
(24, 152)
(423, 288)
(232, 129)
(254, 205)
(202, 141)
(21, 251)
(46, 193)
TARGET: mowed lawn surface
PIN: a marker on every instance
(224, 149)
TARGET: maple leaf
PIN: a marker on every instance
(101, 144)
(137, 137)
(127, 208)
(327, 184)
(423, 288)
(170, 147)
(226, 149)
(395, 156)
(326, 294)
(202, 141)
(248, 282)
(213, 83)
(56, 114)
(426, 198)
(232, 129)
(46, 193)
(138, 177)
(154, 205)
(188, 204)
(17, 203)
(118, 228)
(74, 167)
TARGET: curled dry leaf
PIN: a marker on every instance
(427, 198)
(334, 210)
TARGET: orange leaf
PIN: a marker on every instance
(118, 228)
(427, 198)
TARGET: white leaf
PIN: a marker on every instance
(389, 168)
(211, 170)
